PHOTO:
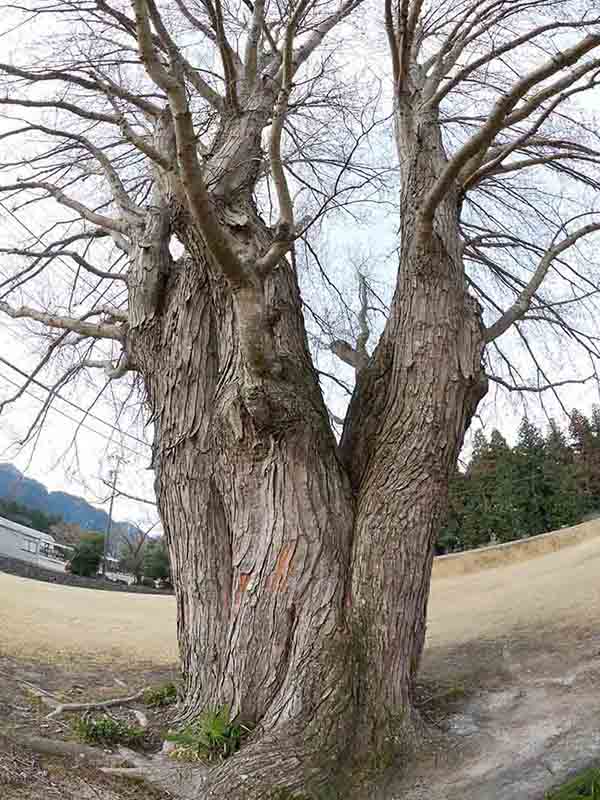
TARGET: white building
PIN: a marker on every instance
(26, 544)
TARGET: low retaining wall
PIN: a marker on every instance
(512, 552)
(25, 569)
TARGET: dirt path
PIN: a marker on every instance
(523, 644)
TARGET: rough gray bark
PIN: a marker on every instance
(256, 505)
(302, 569)
(404, 430)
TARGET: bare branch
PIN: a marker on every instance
(365, 331)
(51, 253)
(496, 52)
(348, 354)
(148, 55)
(539, 389)
(23, 102)
(94, 84)
(111, 703)
(121, 493)
(285, 226)
(118, 190)
(195, 21)
(88, 329)
(91, 216)
(140, 142)
(218, 239)
(251, 53)
(112, 370)
(497, 119)
(320, 32)
(204, 90)
(523, 303)
(226, 51)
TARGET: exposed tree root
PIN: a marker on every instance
(136, 773)
(56, 747)
(45, 697)
(309, 759)
(116, 701)
(184, 781)
(282, 763)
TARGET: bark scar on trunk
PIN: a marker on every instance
(282, 567)
(244, 580)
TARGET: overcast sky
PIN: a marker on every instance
(74, 455)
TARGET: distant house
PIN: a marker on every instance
(114, 573)
(26, 544)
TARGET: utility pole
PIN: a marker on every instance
(113, 475)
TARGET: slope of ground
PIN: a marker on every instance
(516, 646)
(59, 623)
(528, 600)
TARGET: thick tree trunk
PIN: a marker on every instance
(301, 568)
(404, 430)
(429, 366)
(257, 510)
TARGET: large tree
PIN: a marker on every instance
(302, 564)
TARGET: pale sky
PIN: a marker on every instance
(79, 467)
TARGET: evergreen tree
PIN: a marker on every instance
(156, 560)
(88, 555)
(542, 484)
(565, 503)
(585, 436)
(530, 489)
(505, 516)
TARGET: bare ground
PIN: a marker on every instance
(510, 679)
(27, 775)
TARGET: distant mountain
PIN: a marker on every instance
(14, 486)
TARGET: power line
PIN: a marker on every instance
(74, 420)
(41, 241)
(89, 414)
(79, 423)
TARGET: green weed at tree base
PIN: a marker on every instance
(107, 732)
(161, 696)
(213, 736)
(584, 787)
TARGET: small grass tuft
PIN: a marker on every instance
(107, 732)
(213, 736)
(584, 787)
(161, 696)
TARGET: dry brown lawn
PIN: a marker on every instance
(46, 621)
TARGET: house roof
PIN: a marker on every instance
(25, 531)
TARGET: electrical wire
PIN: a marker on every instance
(68, 402)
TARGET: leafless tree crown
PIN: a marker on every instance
(122, 104)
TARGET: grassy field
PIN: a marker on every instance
(525, 635)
